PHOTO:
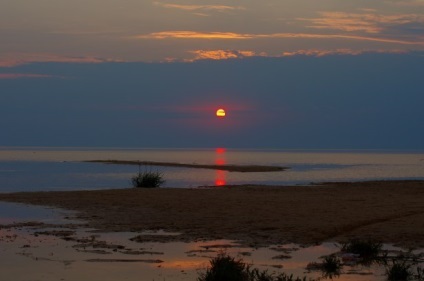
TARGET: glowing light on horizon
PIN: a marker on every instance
(220, 113)
(220, 150)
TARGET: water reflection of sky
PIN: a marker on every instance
(180, 261)
(17, 213)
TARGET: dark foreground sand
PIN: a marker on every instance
(392, 212)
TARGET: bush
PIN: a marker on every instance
(226, 268)
(148, 179)
(331, 265)
(366, 249)
(399, 271)
(405, 267)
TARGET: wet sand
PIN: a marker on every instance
(388, 211)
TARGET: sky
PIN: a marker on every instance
(291, 74)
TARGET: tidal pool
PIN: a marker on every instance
(70, 252)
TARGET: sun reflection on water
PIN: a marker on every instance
(220, 175)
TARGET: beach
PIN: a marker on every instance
(387, 211)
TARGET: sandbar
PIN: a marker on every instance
(387, 211)
(223, 167)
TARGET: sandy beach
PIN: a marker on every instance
(388, 211)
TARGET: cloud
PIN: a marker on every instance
(240, 54)
(15, 59)
(24, 75)
(197, 8)
(194, 35)
(367, 22)
(220, 54)
(322, 53)
(410, 3)
(245, 36)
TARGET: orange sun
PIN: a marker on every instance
(220, 113)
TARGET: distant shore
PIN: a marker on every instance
(223, 167)
(388, 211)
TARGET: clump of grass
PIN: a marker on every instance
(330, 266)
(420, 273)
(405, 267)
(399, 271)
(226, 268)
(148, 179)
(257, 275)
(366, 249)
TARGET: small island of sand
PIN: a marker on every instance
(222, 167)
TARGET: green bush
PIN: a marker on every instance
(148, 179)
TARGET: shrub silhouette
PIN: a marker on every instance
(226, 268)
(148, 179)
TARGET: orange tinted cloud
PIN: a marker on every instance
(239, 54)
(322, 53)
(15, 59)
(245, 36)
(194, 35)
(368, 22)
(220, 54)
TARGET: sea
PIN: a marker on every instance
(60, 169)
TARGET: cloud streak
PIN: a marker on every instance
(408, 3)
(322, 53)
(185, 34)
(197, 8)
(4, 76)
(220, 54)
(15, 59)
(240, 54)
(246, 36)
(371, 23)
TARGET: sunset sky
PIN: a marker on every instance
(325, 74)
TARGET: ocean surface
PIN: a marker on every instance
(45, 169)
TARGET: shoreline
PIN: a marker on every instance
(388, 211)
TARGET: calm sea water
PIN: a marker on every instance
(39, 169)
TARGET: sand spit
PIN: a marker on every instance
(389, 211)
(223, 167)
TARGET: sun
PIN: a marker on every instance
(220, 113)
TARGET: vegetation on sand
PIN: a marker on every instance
(148, 179)
(226, 268)
(366, 249)
(405, 267)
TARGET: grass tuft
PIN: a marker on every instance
(367, 249)
(331, 264)
(405, 267)
(226, 268)
(148, 179)
(330, 267)
(399, 271)
(223, 268)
